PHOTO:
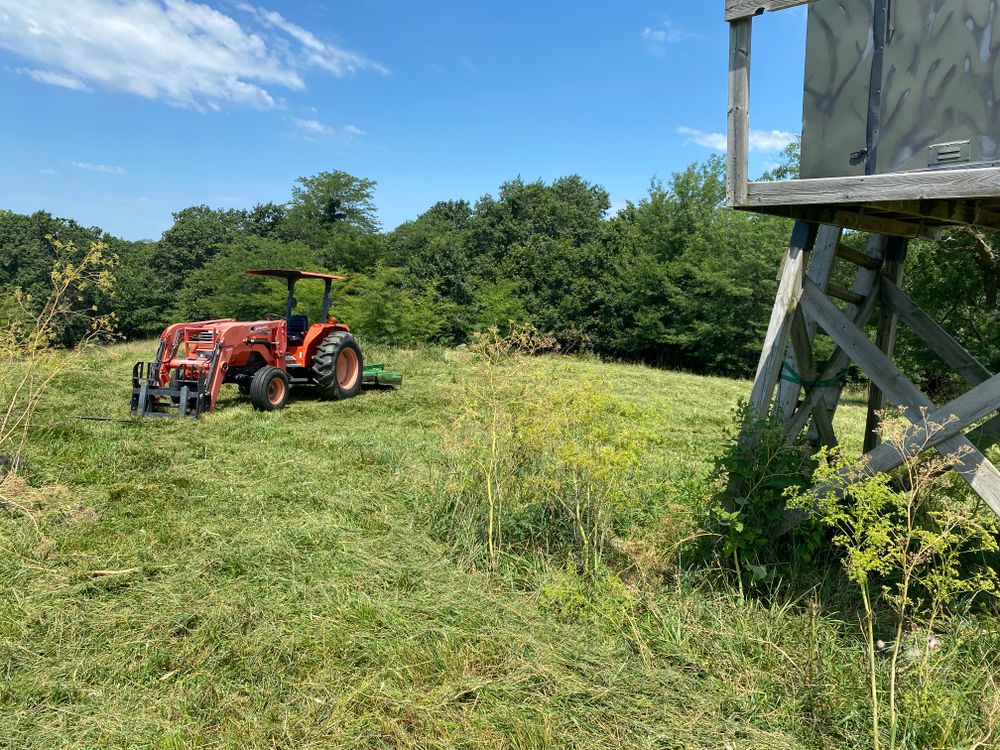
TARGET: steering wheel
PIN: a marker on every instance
(273, 316)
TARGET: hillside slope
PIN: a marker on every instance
(267, 580)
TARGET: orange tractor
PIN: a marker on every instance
(263, 358)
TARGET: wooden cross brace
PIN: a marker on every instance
(803, 304)
(938, 428)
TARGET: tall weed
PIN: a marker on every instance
(912, 543)
(30, 355)
(534, 463)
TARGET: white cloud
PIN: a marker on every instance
(667, 33)
(314, 127)
(338, 61)
(47, 171)
(768, 141)
(53, 78)
(180, 51)
(104, 168)
(716, 141)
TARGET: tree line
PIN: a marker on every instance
(674, 280)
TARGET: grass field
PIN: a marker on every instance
(270, 580)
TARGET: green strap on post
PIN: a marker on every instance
(789, 375)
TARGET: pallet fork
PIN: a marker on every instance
(184, 398)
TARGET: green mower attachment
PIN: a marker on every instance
(378, 375)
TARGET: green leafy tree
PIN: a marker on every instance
(221, 289)
(384, 307)
(689, 283)
(142, 303)
(570, 209)
(197, 234)
(788, 165)
(327, 201)
(435, 248)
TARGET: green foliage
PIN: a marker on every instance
(142, 301)
(759, 468)
(498, 305)
(387, 308)
(435, 248)
(34, 341)
(957, 281)
(312, 213)
(197, 234)
(905, 542)
(788, 166)
(541, 465)
(221, 289)
(689, 284)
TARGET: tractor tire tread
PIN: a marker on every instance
(260, 385)
(324, 365)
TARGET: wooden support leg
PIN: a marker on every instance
(865, 286)
(821, 403)
(885, 337)
(820, 267)
(938, 425)
(787, 300)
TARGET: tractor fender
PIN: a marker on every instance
(305, 352)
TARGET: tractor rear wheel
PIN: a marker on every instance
(338, 366)
(269, 389)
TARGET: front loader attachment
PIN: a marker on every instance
(181, 397)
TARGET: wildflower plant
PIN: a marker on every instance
(540, 464)
(909, 541)
(33, 330)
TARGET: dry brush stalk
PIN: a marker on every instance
(30, 353)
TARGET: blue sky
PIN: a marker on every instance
(119, 112)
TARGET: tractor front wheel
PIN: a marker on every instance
(269, 389)
(338, 366)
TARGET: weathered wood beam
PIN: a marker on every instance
(846, 295)
(885, 340)
(970, 463)
(820, 268)
(931, 333)
(954, 184)
(738, 9)
(838, 364)
(865, 285)
(857, 257)
(738, 138)
(952, 353)
(853, 217)
(938, 425)
(787, 299)
(956, 212)
(801, 345)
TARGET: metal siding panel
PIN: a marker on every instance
(941, 82)
(837, 82)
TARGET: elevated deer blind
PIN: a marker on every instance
(900, 139)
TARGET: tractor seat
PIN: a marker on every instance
(297, 327)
